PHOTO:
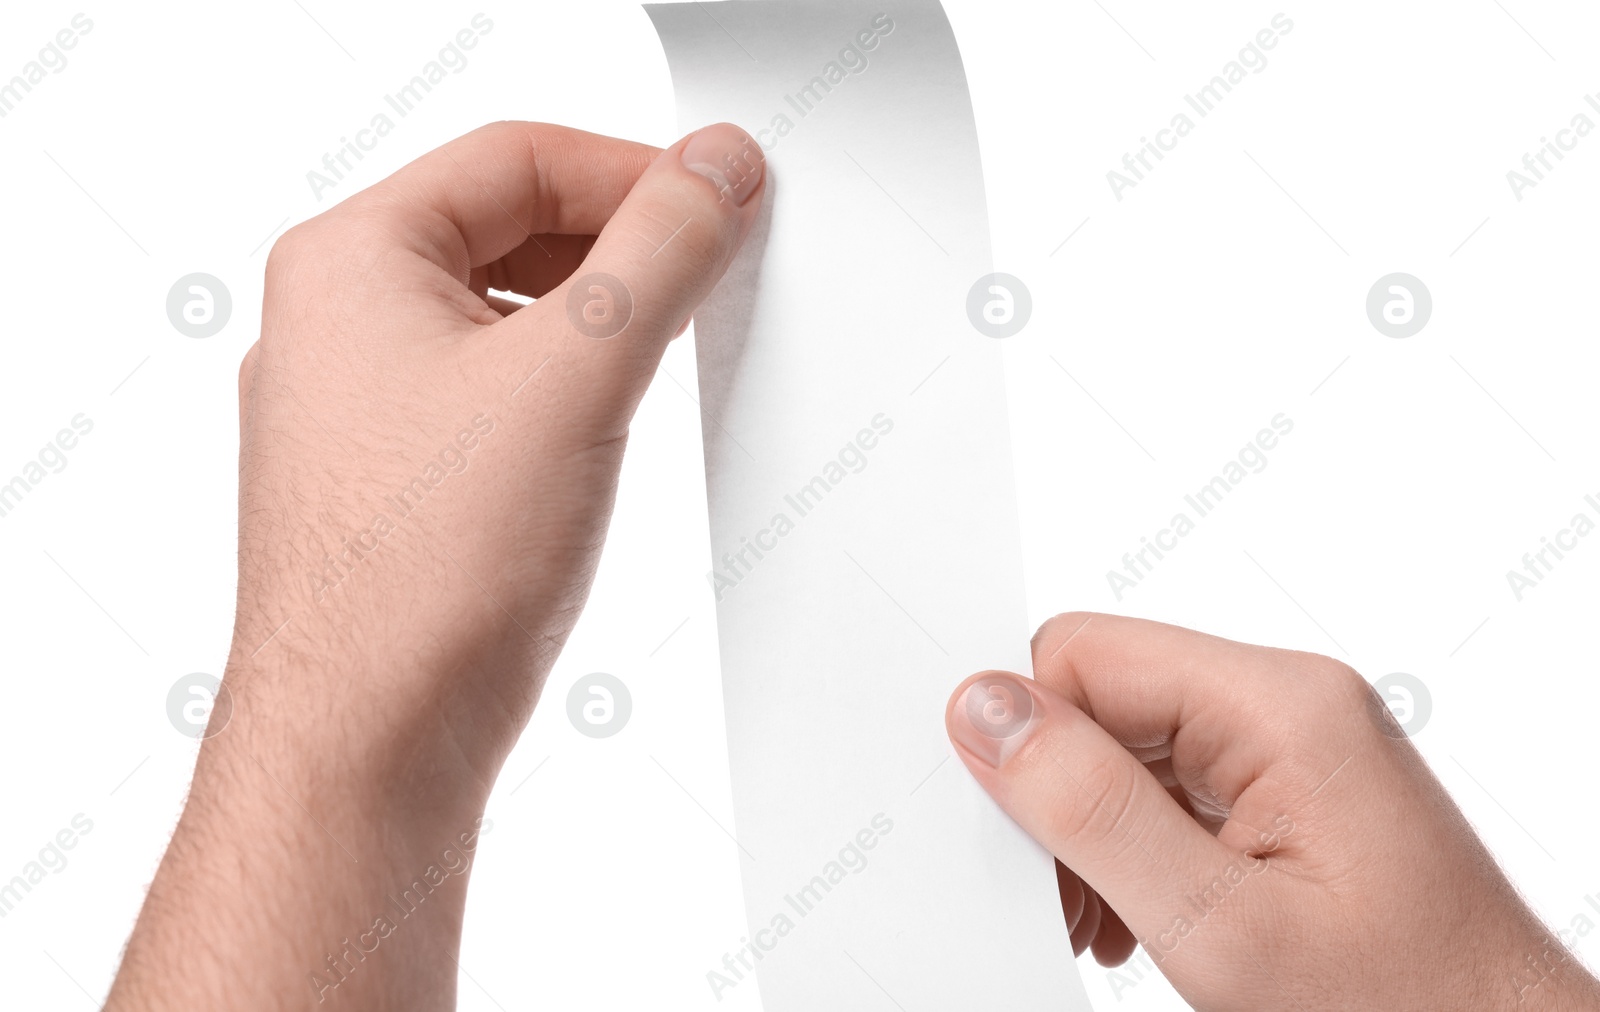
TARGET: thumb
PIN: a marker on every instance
(1082, 795)
(656, 259)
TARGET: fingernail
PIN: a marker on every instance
(728, 157)
(994, 717)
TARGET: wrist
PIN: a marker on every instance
(403, 737)
(301, 874)
(437, 700)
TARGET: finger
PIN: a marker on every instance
(1236, 707)
(1077, 791)
(1070, 887)
(1088, 924)
(654, 262)
(1114, 943)
(1141, 679)
(483, 195)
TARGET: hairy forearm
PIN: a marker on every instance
(416, 542)
(311, 868)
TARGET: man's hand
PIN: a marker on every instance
(1257, 820)
(426, 476)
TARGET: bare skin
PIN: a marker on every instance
(426, 478)
(1255, 819)
(366, 732)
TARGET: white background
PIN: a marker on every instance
(1227, 287)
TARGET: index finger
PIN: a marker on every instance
(477, 198)
(1229, 709)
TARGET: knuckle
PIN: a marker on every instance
(521, 143)
(292, 248)
(1337, 680)
(505, 129)
(348, 234)
(1319, 685)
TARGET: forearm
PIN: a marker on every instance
(416, 545)
(310, 867)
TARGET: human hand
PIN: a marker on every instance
(426, 476)
(427, 480)
(1257, 821)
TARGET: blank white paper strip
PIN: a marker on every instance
(863, 519)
